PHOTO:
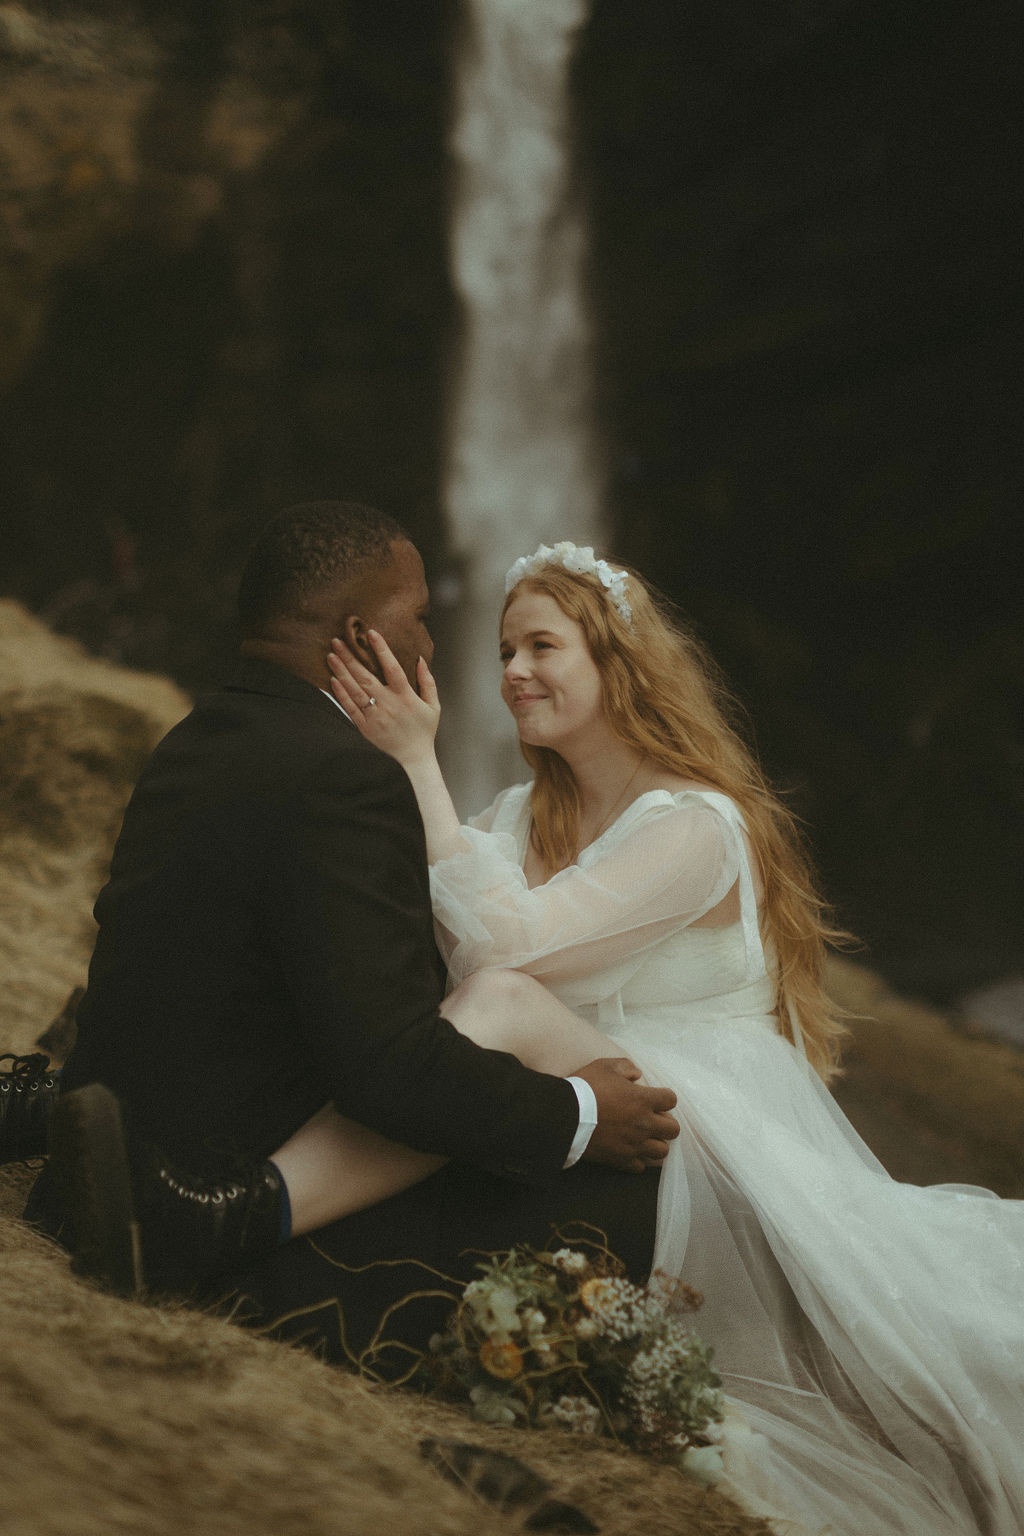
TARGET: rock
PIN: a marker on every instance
(506, 1482)
(74, 733)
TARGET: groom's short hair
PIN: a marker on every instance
(305, 547)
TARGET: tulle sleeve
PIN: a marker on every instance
(676, 863)
(506, 812)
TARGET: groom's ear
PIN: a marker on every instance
(354, 633)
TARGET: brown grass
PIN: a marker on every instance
(153, 1421)
(936, 1105)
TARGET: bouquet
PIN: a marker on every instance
(563, 1338)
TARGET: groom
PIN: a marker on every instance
(265, 946)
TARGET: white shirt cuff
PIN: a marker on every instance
(588, 1120)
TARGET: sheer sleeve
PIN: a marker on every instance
(504, 811)
(676, 863)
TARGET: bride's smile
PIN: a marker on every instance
(550, 681)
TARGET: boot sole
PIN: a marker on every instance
(90, 1169)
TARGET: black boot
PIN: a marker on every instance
(194, 1229)
(29, 1089)
(89, 1174)
(153, 1228)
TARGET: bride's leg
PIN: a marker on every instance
(333, 1167)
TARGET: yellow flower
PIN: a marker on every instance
(501, 1360)
(592, 1293)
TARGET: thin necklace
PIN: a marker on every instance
(616, 803)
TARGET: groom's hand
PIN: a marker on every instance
(633, 1127)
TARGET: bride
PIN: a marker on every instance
(869, 1334)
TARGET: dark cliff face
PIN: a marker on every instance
(227, 289)
(223, 287)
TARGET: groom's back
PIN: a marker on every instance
(190, 1014)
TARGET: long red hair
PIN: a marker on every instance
(665, 698)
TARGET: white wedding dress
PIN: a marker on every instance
(870, 1334)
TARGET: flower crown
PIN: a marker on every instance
(581, 562)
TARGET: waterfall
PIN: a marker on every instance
(523, 464)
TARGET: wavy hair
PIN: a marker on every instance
(665, 698)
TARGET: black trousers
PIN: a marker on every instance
(332, 1291)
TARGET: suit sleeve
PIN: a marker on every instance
(354, 945)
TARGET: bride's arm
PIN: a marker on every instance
(402, 723)
(673, 869)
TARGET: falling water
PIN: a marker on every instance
(523, 463)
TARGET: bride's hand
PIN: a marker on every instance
(391, 714)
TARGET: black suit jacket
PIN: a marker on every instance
(265, 945)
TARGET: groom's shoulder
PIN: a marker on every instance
(265, 728)
(260, 699)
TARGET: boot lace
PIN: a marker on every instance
(30, 1072)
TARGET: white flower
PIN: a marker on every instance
(494, 1308)
(534, 1323)
(578, 1414)
(581, 561)
(586, 1328)
(703, 1463)
(574, 558)
(570, 1261)
(620, 1309)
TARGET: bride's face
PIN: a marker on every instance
(550, 681)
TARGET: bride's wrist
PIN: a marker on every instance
(419, 764)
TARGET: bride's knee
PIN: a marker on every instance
(495, 990)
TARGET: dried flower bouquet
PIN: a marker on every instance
(563, 1338)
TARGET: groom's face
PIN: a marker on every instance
(396, 601)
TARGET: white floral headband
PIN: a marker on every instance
(579, 560)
